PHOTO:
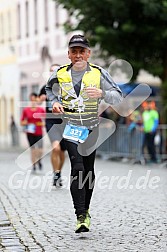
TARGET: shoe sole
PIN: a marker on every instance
(82, 229)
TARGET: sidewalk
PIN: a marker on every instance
(126, 215)
(9, 241)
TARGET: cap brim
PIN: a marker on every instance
(78, 44)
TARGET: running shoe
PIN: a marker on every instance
(57, 181)
(82, 225)
(39, 165)
(34, 168)
(88, 217)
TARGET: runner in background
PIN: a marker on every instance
(57, 154)
(33, 125)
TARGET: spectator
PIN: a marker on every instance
(135, 120)
(150, 118)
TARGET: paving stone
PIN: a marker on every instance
(122, 220)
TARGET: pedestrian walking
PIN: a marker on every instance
(75, 91)
(14, 132)
(33, 125)
(58, 147)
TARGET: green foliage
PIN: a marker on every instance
(134, 30)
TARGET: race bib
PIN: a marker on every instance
(76, 133)
(30, 128)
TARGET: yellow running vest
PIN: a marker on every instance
(85, 110)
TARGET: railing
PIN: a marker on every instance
(125, 143)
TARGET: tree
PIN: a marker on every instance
(133, 30)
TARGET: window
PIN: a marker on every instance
(46, 14)
(2, 28)
(18, 22)
(24, 93)
(68, 19)
(35, 88)
(35, 17)
(56, 15)
(9, 25)
(27, 19)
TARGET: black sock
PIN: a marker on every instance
(57, 174)
(39, 163)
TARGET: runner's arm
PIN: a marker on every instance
(111, 92)
(53, 89)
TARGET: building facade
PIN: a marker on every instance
(41, 41)
(32, 38)
(9, 71)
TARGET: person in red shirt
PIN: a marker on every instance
(33, 124)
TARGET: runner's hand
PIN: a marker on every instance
(93, 92)
(57, 108)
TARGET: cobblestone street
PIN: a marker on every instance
(128, 209)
